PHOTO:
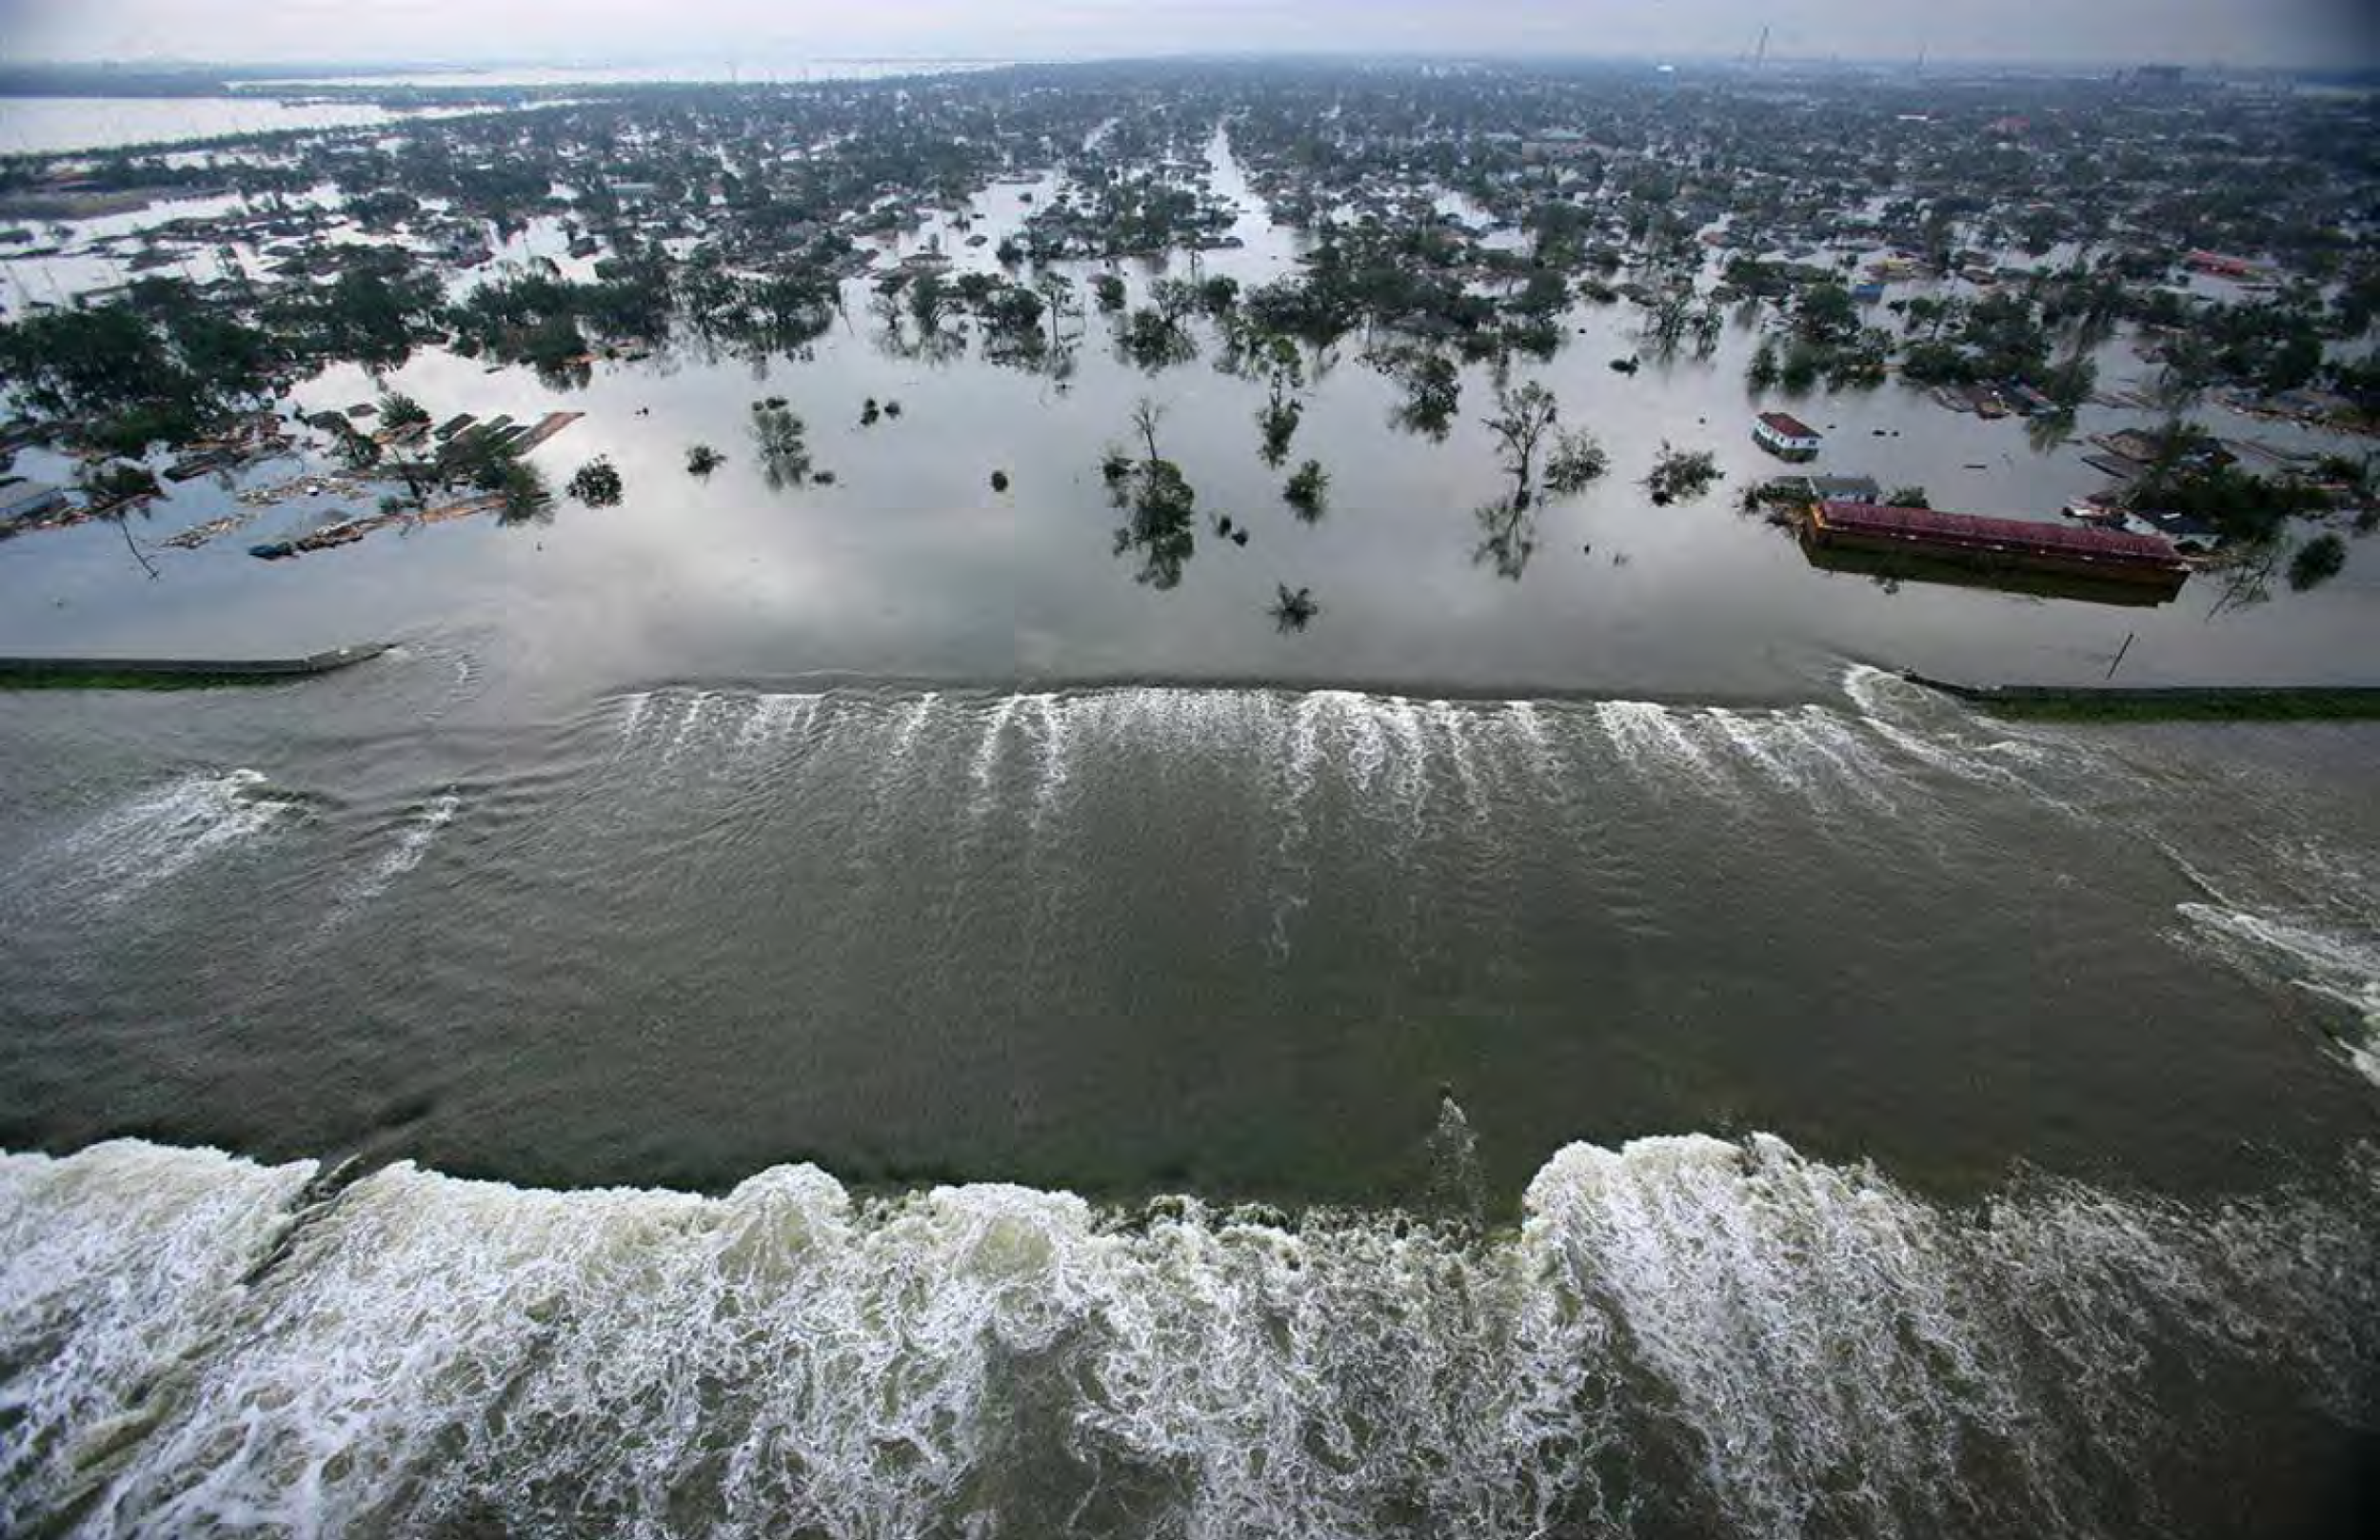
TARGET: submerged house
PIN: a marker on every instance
(2223, 265)
(1786, 436)
(1843, 488)
(20, 500)
(2148, 563)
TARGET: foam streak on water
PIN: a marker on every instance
(771, 720)
(987, 755)
(163, 833)
(1650, 736)
(411, 842)
(2333, 963)
(1685, 1336)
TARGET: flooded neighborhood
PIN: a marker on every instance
(1938, 280)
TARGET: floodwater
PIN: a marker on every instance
(53, 125)
(910, 565)
(763, 69)
(808, 979)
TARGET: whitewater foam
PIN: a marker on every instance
(2339, 965)
(114, 1265)
(1411, 752)
(1685, 1334)
(412, 840)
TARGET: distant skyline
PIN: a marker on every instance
(759, 33)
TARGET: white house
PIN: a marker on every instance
(1785, 436)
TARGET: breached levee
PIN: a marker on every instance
(1684, 1336)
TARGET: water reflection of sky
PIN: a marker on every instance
(53, 125)
(912, 565)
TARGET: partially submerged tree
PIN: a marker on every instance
(1153, 341)
(1577, 462)
(1293, 610)
(702, 460)
(1523, 417)
(1308, 491)
(111, 486)
(527, 500)
(399, 410)
(2317, 562)
(1284, 375)
(358, 451)
(1159, 506)
(1147, 416)
(596, 483)
(780, 436)
(1059, 300)
(1681, 473)
(1508, 536)
(1433, 387)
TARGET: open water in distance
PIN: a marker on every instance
(53, 125)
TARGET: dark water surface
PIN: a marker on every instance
(2096, 1005)
(1132, 938)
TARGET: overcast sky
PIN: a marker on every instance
(762, 34)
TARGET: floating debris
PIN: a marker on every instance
(553, 424)
(197, 535)
(464, 509)
(314, 485)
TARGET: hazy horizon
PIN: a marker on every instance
(755, 34)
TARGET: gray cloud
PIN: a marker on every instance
(759, 33)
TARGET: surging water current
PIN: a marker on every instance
(1099, 937)
(1685, 1337)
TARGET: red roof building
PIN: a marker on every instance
(2013, 543)
(1785, 435)
(2222, 265)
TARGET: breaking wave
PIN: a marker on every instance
(1684, 1335)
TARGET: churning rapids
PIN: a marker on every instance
(915, 925)
(1685, 1337)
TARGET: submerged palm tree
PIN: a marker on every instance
(1293, 610)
